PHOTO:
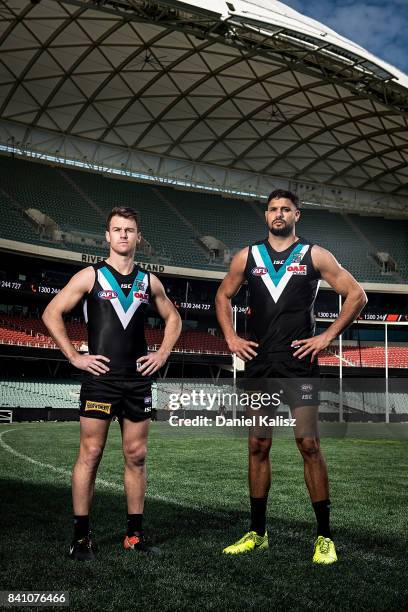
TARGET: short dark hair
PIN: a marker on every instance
(282, 193)
(122, 211)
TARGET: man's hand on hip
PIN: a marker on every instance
(152, 362)
(311, 345)
(242, 348)
(94, 364)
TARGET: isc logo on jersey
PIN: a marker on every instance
(107, 295)
(259, 271)
(297, 269)
(140, 295)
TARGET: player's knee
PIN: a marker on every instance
(259, 447)
(91, 454)
(135, 454)
(309, 447)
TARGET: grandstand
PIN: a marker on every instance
(23, 331)
(52, 396)
(32, 332)
(386, 235)
(196, 153)
(78, 200)
(39, 394)
(194, 135)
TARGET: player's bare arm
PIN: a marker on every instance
(80, 284)
(345, 285)
(245, 349)
(154, 361)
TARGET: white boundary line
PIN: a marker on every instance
(100, 482)
(111, 485)
(48, 466)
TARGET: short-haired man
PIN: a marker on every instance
(116, 294)
(283, 273)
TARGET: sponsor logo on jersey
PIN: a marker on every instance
(140, 295)
(125, 286)
(98, 406)
(297, 269)
(259, 271)
(307, 387)
(278, 262)
(107, 294)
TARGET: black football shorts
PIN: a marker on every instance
(104, 398)
(295, 380)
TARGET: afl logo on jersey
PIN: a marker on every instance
(297, 269)
(107, 295)
(259, 271)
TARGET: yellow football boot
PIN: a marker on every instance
(324, 551)
(249, 542)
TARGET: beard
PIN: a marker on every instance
(283, 230)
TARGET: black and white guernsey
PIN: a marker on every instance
(282, 287)
(115, 311)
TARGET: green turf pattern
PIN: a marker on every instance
(197, 504)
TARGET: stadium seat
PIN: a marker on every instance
(172, 221)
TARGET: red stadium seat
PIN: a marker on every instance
(32, 332)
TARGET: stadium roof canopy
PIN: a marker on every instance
(241, 95)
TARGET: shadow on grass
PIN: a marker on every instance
(191, 572)
(30, 509)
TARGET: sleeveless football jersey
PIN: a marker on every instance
(282, 290)
(115, 311)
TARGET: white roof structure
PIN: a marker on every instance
(240, 95)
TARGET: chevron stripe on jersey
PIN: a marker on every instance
(125, 306)
(276, 280)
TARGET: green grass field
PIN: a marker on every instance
(197, 503)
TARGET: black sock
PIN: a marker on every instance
(81, 526)
(258, 514)
(134, 523)
(322, 511)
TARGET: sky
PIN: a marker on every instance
(380, 26)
